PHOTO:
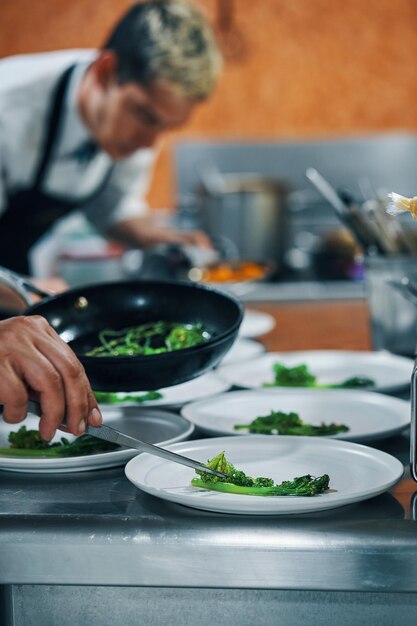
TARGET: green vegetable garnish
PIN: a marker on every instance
(150, 338)
(113, 397)
(278, 423)
(300, 376)
(28, 443)
(238, 482)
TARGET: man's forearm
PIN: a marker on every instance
(142, 232)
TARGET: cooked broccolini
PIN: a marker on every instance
(300, 376)
(279, 423)
(238, 482)
(28, 443)
(147, 339)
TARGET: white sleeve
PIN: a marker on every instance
(123, 196)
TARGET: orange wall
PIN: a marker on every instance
(311, 68)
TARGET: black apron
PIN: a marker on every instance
(30, 212)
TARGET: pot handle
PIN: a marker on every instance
(20, 285)
(413, 431)
(405, 287)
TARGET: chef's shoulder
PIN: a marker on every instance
(27, 80)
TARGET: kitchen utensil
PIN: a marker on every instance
(393, 238)
(21, 285)
(79, 314)
(244, 214)
(110, 434)
(413, 431)
(107, 433)
(348, 215)
(392, 304)
(406, 288)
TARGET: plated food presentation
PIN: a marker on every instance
(21, 450)
(347, 473)
(295, 398)
(376, 371)
(352, 415)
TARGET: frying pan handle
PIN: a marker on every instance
(413, 432)
(20, 285)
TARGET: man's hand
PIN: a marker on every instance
(35, 363)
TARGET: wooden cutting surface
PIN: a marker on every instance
(341, 325)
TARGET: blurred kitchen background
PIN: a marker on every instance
(306, 84)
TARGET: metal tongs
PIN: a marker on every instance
(115, 436)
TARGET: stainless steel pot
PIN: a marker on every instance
(246, 216)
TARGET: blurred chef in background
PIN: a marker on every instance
(78, 128)
(78, 131)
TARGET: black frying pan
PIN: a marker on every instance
(79, 314)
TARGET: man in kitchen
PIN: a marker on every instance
(77, 131)
(78, 128)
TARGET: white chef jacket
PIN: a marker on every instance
(27, 83)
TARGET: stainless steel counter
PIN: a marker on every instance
(297, 291)
(106, 532)
(89, 548)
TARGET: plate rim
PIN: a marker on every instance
(261, 350)
(161, 403)
(267, 317)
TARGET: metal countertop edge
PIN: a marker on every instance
(128, 555)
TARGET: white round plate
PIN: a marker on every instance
(151, 426)
(390, 372)
(356, 473)
(201, 387)
(243, 350)
(369, 416)
(256, 323)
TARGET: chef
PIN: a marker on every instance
(78, 128)
(78, 131)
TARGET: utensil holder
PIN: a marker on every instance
(393, 316)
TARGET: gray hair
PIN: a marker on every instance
(170, 41)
